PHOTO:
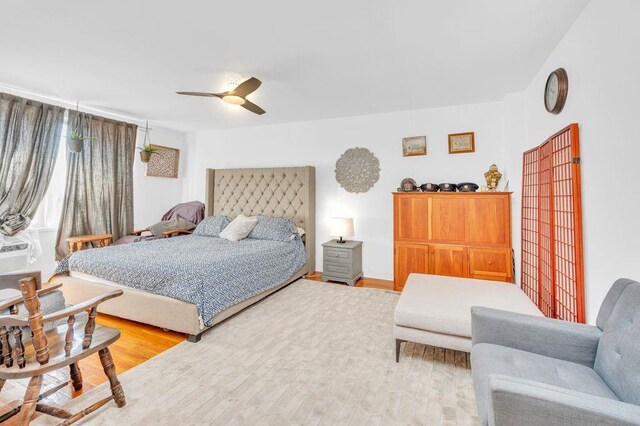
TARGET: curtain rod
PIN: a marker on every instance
(69, 104)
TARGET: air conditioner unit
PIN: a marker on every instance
(14, 257)
(20, 251)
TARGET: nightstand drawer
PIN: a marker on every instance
(337, 261)
(337, 269)
(336, 253)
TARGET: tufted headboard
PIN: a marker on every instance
(279, 192)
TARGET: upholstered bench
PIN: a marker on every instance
(436, 310)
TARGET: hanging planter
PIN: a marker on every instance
(75, 141)
(147, 150)
(75, 145)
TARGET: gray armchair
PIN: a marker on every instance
(530, 371)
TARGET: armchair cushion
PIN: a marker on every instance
(548, 337)
(178, 223)
(521, 402)
(49, 303)
(618, 357)
(488, 360)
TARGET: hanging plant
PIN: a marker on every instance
(147, 150)
(75, 140)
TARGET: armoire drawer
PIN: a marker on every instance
(492, 264)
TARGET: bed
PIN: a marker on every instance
(276, 192)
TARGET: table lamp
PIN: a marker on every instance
(341, 227)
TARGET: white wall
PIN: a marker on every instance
(601, 55)
(153, 196)
(320, 144)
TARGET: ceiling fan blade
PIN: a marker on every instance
(197, 94)
(253, 107)
(247, 87)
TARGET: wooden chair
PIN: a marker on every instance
(57, 348)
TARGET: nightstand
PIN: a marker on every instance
(342, 261)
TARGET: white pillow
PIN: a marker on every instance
(299, 231)
(239, 228)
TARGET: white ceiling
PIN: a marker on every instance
(316, 60)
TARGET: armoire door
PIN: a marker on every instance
(409, 258)
(448, 260)
(447, 219)
(489, 221)
(410, 218)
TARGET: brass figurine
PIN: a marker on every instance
(492, 177)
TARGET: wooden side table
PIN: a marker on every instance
(78, 243)
(342, 261)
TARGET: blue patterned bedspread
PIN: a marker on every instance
(212, 273)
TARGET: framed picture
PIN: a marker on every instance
(164, 163)
(460, 143)
(415, 145)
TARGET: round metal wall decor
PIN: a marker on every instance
(357, 170)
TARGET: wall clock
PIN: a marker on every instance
(555, 91)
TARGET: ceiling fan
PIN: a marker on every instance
(237, 96)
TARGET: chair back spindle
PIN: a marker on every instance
(6, 347)
(36, 323)
(68, 339)
(19, 349)
(90, 327)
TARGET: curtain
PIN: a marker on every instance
(29, 138)
(99, 188)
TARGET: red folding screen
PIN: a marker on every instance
(552, 263)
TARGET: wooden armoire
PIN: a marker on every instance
(460, 234)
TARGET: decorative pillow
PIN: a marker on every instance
(273, 228)
(211, 226)
(239, 228)
(179, 223)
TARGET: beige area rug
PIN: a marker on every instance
(312, 353)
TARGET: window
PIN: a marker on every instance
(50, 209)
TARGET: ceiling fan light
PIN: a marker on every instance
(233, 99)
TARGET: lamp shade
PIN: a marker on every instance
(341, 227)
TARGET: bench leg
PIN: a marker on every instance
(398, 343)
(194, 338)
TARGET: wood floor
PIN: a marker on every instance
(138, 343)
(364, 282)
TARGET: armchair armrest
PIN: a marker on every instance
(169, 234)
(519, 402)
(18, 299)
(139, 232)
(544, 336)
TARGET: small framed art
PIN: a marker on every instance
(164, 163)
(459, 143)
(415, 145)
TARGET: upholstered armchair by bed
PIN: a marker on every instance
(537, 371)
(190, 213)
